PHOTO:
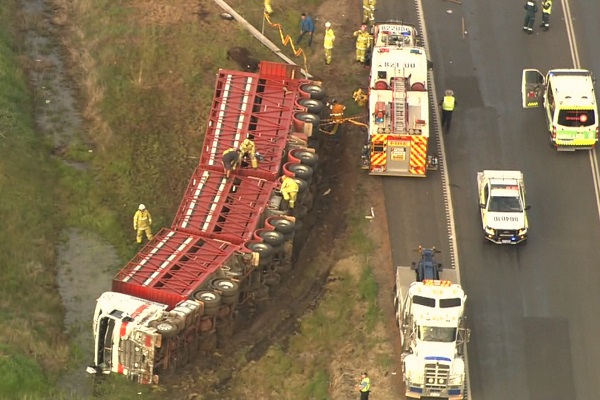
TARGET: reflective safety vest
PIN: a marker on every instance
(547, 7)
(329, 39)
(448, 104)
(362, 40)
(366, 382)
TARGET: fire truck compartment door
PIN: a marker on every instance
(398, 155)
(532, 88)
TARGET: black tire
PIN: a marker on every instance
(308, 200)
(301, 171)
(308, 117)
(315, 91)
(264, 250)
(303, 185)
(211, 300)
(313, 106)
(167, 328)
(283, 225)
(227, 287)
(306, 157)
(272, 238)
(299, 225)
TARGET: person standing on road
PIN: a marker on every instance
(328, 42)
(142, 221)
(546, 11)
(448, 104)
(363, 39)
(364, 387)
(530, 10)
(306, 26)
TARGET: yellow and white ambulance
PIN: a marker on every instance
(569, 102)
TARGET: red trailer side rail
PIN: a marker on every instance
(215, 207)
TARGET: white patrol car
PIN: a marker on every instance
(569, 102)
(503, 206)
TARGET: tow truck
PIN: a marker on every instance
(569, 102)
(399, 123)
(503, 206)
(434, 337)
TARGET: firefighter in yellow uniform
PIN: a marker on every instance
(369, 11)
(328, 42)
(289, 190)
(268, 8)
(248, 149)
(363, 40)
(142, 221)
(360, 97)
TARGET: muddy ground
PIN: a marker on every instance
(325, 230)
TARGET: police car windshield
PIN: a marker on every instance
(505, 204)
(437, 334)
(576, 118)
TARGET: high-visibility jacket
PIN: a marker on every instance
(448, 103)
(289, 188)
(547, 7)
(249, 147)
(142, 219)
(329, 39)
(362, 40)
(365, 384)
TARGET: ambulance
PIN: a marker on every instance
(399, 123)
(569, 102)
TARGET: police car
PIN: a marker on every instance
(503, 206)
(569, 102)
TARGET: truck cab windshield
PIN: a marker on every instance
(437, 334)
(505, 204)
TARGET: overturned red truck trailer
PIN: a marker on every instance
(231, 240)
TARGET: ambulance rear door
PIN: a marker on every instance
(533, 85)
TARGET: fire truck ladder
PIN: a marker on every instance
(399, 105)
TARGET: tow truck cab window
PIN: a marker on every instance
(576, 118)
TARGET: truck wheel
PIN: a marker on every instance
(300, 212)
(300, 171)
(264, 251)
(167, 328)
(228, 288)
(282, 224)
(313, 91)
(211, 300)
(272, 238)
(305, 157)
(314, 119)
(311, 105)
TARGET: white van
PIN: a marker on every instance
(569, 102)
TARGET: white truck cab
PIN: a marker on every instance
(569, 102)
(503, 206)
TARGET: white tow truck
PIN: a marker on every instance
(503, 206)
(569, 102)
(432, 325)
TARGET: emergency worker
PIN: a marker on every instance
(530, 10)
(363, 40)
(289, 190)
(364, 387)
(142, 221)
(328, 42)
(448, 104)
(268, 8)
(369, 11)
(248, 150)
(230, 160)
(360, 97)
(546, 11)
(336, 111)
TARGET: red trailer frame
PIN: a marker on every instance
(260, 105)
(216, 207)
(173, 266)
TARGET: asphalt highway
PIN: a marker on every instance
(531, 308)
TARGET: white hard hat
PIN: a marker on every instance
(327, 24)
(141, 207)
